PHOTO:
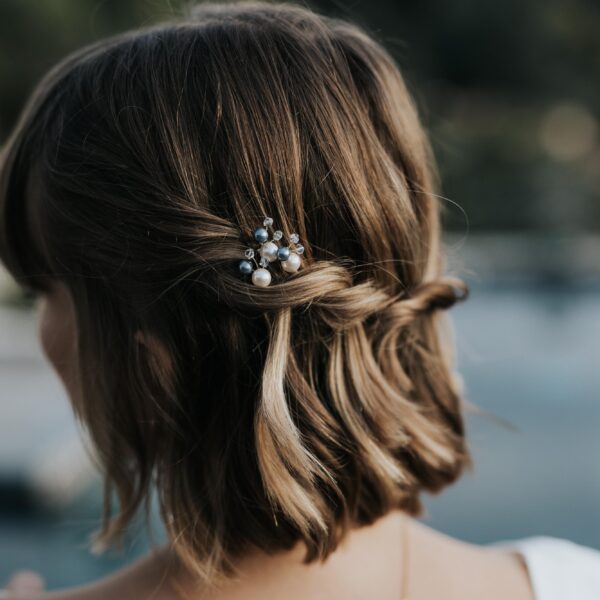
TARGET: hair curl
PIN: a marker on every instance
(263, 416)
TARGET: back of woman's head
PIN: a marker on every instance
(264, 416)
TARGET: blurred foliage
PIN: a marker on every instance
(510, 92)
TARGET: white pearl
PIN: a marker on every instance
(261, 278)
(292, 264)
(269, 251)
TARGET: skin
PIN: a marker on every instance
(393, 554)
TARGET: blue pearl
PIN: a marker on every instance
(261, 235)
(283, 253)
(245, 267)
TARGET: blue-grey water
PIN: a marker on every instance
(530, 358)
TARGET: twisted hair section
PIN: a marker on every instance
(263, 417)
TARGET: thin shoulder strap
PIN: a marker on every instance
(405, 551)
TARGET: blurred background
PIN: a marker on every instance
(510, 93)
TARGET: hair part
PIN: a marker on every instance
(263, 416)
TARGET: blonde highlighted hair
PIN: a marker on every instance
(263, 416)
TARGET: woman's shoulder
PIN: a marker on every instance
(148, 577)
(560, 569)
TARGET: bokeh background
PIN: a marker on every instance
(510, 93)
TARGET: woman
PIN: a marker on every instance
(232, 225)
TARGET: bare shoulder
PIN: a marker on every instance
(465, 570)
(148, 578)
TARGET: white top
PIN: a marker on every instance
(560, 570)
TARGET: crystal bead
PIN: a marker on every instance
(264, 261)
(268, 222)
(294, 238)
(278, 235)
(249, 253)
(300, 249)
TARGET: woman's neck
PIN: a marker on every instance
(393, 556)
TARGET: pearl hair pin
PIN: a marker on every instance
(269, 251)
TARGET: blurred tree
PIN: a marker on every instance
(488, 76)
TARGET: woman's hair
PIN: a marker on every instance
(263, 416)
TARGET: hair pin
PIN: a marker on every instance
(270, 250)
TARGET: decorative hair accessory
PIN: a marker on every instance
(271, 250)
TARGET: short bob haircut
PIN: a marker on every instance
(263, 417)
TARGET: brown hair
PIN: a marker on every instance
(264, 416)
